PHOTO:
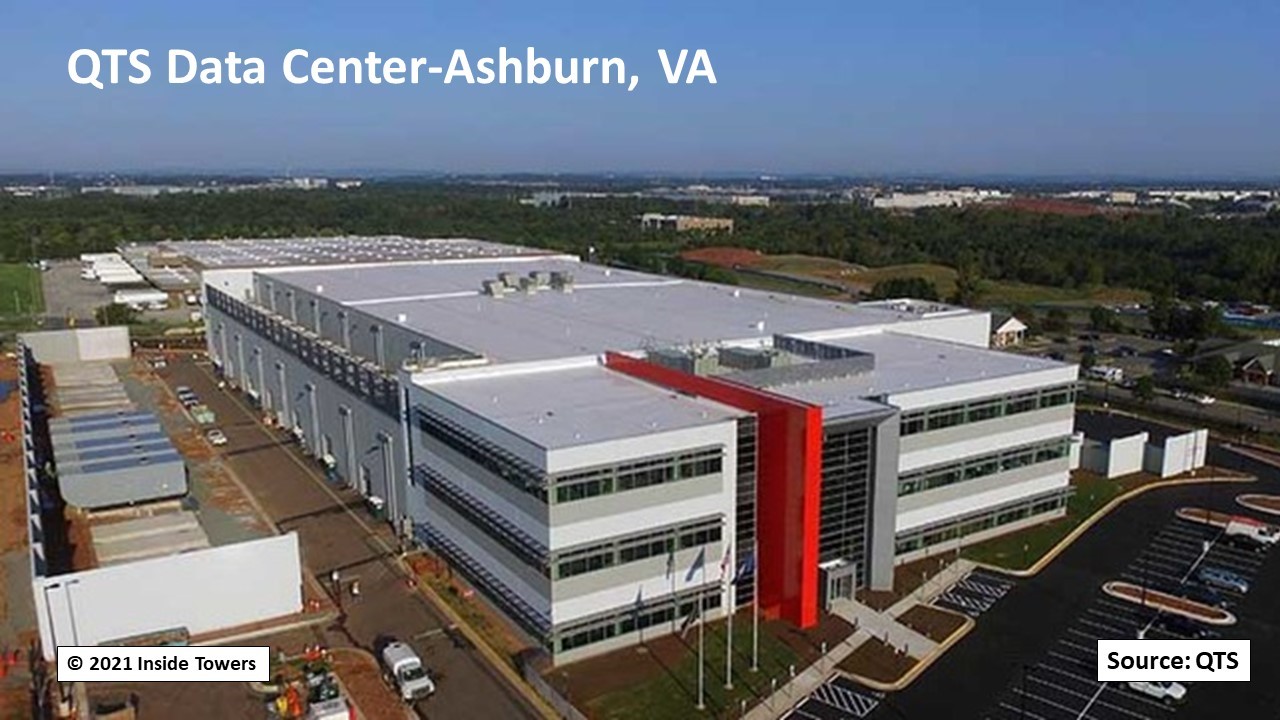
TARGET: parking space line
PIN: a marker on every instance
(1160, 558)
(1234, 564)
(1094, 700)
(1132, 614)
(1182, 558)
(1022, 712)
(1106, 629)
(1047, 701)
(1090, 650)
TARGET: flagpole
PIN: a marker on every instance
(701, 665)
(728, 652)
(755, 604)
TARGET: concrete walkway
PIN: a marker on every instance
(870, 623)
(885, 627)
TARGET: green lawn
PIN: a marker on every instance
(20, 290)
(1020, 550)
(671, 692)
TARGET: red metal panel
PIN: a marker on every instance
(788, 483)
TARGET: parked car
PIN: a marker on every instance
(1196, 592)
(1184, 626)
(1245, 526)
(216, 437)
(1165, 691)
(1222, 579)
(1247, 543)
(405, 671)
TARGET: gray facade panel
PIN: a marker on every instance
(637, 572)
(916, 501)
(365, 443)
(532, 577)
(615, 503)
(985, 428)
(884, 506)
(431, 451)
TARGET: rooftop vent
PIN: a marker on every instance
(562, 281)
(493, 288)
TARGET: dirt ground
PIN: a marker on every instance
(1163, 601)
(363, 680)
(13, 515)
(934, 623)
(1261, 503)
(724, 256)
(877, 661)
(907, 579)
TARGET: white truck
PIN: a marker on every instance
(406, 672)
(1248, 527)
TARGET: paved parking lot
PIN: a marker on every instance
(838, 699)
(1062, 684)
(976, 593)
(1049, 624)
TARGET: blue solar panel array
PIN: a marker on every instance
(158, 446)
(84, 423)
(121, 439)
(128, 463)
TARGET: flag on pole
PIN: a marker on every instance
(689, 621)
(726, 561)
(699, 564)
(746, 568)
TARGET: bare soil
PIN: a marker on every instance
(1162, 601)
(934, 623)
(877, 661)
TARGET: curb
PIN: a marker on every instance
(923, 664)
(1100, 513)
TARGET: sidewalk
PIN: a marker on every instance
(885, 627)
(870, 623)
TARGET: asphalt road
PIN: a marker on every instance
(1023, 627)
(288, 488)
(1190, 413)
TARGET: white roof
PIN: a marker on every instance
(906, 364)
(575, 406)
(609, 309)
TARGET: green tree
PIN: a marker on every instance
(905, 287)
(115, 314)
(968, 283)
(1144, 389)
(1088, 360)
(1102, 319)
(1215, 372)
(1056, 320)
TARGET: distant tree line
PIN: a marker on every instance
(1172, 254)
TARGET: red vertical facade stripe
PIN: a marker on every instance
(788, 483)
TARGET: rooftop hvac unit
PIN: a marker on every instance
(493, 288)
(540, 278)
(562, 281)
(528, 286)
(508, 279)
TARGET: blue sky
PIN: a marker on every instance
(1171, 88)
